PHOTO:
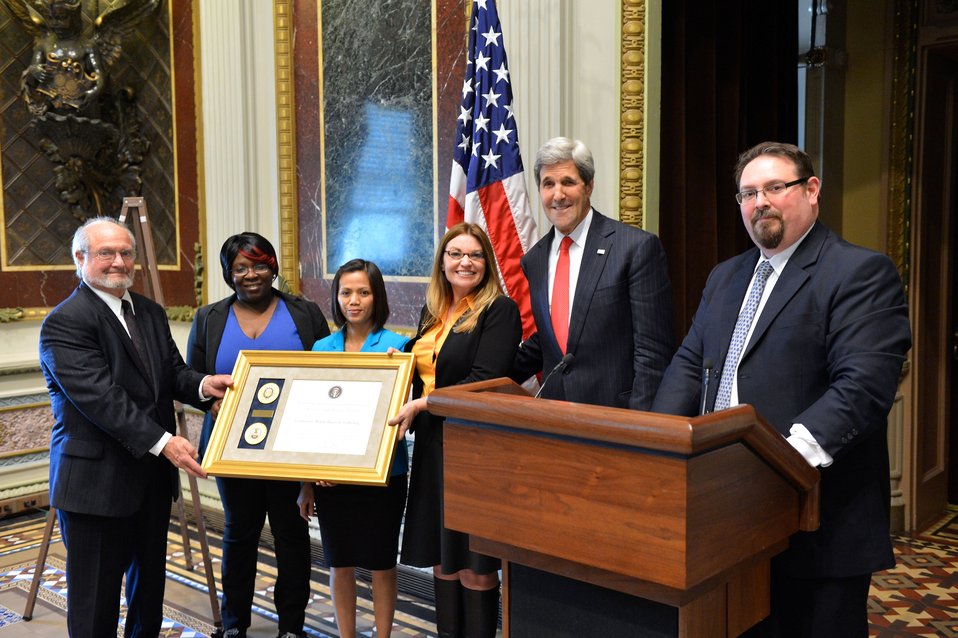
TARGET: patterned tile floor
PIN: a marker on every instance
(187, 612)
(919, 597)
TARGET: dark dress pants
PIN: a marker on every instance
(246, 504)
(101, 548)
(816, 608)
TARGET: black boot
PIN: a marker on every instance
(448, 607)
(480, 612)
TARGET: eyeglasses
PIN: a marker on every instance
(107, 255)
(458, 254)
(259, 269)
(778, 188)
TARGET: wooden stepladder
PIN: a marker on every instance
(151, 282)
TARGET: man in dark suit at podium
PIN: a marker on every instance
(600, 292)
(812, 331)
(113, 371)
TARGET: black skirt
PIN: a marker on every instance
(360, 524)
(426, 542)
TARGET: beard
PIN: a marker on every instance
(768, 229)
(107, 281)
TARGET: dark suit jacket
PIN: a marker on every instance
(620, 328)
(108, 411)
(826, 352)
(210, 322)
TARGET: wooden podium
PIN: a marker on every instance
(679, 514)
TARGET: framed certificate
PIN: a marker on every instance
(310, 416)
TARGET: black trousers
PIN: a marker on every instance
(100, 549)
(816, 608)
(246, 504)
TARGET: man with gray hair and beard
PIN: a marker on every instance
(113, 372)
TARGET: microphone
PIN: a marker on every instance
(566, 360)
(706, 373)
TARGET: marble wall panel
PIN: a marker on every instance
(379, 116)
(377, 119)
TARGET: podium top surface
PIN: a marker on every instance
(503, 403)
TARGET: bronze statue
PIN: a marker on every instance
(90, 133)
(68, 68)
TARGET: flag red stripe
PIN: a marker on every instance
(455, 214)
(505, 241)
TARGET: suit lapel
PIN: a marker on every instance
(372, 341)
(110, 319)
(215, 327)
(537, 261)
(595, 254)
(732, 299)
(793, 277)
(119, 331)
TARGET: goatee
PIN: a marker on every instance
(767, 233)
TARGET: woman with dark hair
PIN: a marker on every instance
(468, 331)
(360, 524)
(256, 317)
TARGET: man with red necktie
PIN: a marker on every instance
(600, 292)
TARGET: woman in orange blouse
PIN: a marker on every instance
(468, 331)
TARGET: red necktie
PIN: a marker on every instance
(560, 295)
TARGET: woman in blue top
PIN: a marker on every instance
(360, 524)
(256, 317)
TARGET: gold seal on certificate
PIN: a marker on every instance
(268, 393)
(255, 433)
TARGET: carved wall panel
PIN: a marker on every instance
(156, 71)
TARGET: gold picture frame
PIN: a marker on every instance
(310, 416)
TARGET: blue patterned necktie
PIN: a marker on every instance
(738, 335)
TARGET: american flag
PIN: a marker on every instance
(487, 186)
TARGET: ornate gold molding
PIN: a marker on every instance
(199, 281)
(286, 141)
(632, 112)
(8, 315)
(901, 144)
(199, 269)
(180, 313)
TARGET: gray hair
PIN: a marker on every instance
(563, 149)
(81, 238)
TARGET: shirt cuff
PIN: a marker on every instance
(199, 392)
(803, 441)
(158, 447)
